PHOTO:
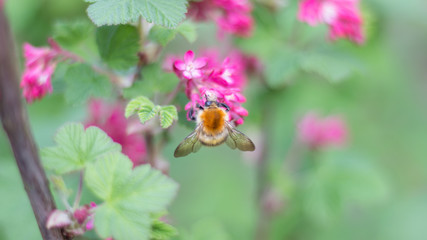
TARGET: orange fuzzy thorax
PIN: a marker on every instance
(213, 120)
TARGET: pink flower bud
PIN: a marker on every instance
(58, 219)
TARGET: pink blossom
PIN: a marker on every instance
(190, 68)
(230, 74)
(319, 132)
(39, 67)
(342, 16)
(237, 23)
(110, 118)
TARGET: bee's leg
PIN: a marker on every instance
(199, 106)
(191, 115)
(224, 106)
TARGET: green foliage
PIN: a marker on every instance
(154, 80)
(129, 195)
(69, 34)
(118, 45)
(164, 35)
(76, 147)
(146, 110)
(162, 231)
(167, 115)
(82, 83)
(168, 13)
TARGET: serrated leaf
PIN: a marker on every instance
(162, 35)
(167, 115)
(69, 34)
(334, 68)
(118, 45)
(168, 13)
(162, 231)
(146, 113)
(188, 31)
(154, 80)
(130, 196)
(77, 147)
(135, 105)
(82, 83)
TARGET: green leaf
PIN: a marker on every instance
(167, 115)
(154, 80)
(162, 35)
(77, 147)
(146, 113)
(188, 30)
(82, 83)
(334, 67)
(162, 231)
(69, 34)
(118, 45)
(168, 13)
(135, 105)
(129, 196)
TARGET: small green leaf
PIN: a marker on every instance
(135, 105)
(167, 115)
(168, 13)
(69, 34)
(188, 30)
(162, 35)
(77, 147)
(146, 113)
(162, 231)
(82, 83)
(118, 45)
(129, 196)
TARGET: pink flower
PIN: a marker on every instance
(111, 119)
(39, 67)
(316, 132)
(342, 16)
(237, 23)
(190, 68)
(230, 74)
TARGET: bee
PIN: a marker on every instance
(213, 129)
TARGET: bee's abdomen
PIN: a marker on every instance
(213, 140)
(213, 121)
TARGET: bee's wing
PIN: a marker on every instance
(238, 139)
(190, 144)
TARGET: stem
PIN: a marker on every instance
(15, 124)
(149, 141)
(171, 96)
(79, 191)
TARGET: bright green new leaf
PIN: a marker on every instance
(167, 115)
(118, 45)
(135, 105)
(162, 231)
(82, 83)
(168, 13)
(129, 196)
(76, 147)
(146, 113)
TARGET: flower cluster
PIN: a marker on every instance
(40, 64)
(206, 73)
(75, 222)
(318, 132)
(231, 16)
(342, 16)
(112, 121)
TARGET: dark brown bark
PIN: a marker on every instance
(15, 123)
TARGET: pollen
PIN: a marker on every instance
(213, 120)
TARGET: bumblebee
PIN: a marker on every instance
(213, 129)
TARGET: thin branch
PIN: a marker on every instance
(79, 191)
(15, 123)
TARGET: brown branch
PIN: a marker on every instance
(15, 123)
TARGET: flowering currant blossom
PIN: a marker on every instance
(231, 16)
(317, 132)
(110, 118)
(75, 222)
(39, 66)
(342, 16)
(225, 80)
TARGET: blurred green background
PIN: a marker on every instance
(375, 188)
